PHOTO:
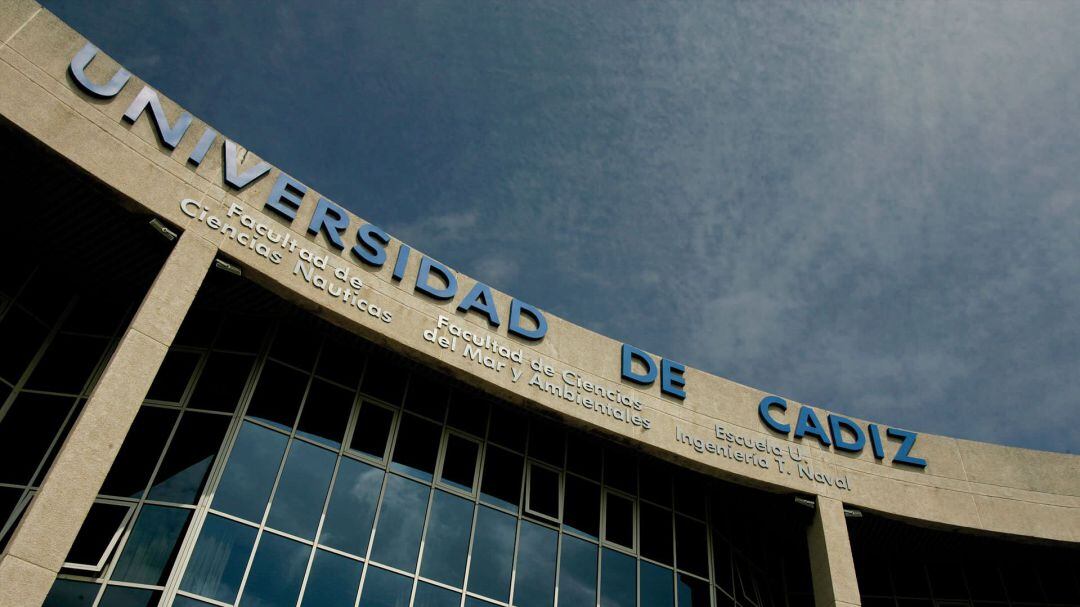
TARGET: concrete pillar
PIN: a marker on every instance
(37, 549)
(832, 567)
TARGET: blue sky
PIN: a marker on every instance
(873, 208)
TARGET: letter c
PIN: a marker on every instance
(766, 415)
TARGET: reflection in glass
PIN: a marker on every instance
(385, 589)
(98, 534)
(656, 586)
(249, 476)
(401, 521)
(417, 447)
(581, 510)
(219, 559)
(372, 430)
(152, 545)
(577, 572)
(429, 595)
(501, 484)
(447, 542)
(69, 593)
(618, 579)
(535, 585)
(326, 412)
(139, 454)
(187, 463)
(692, 592)
(543, 491)
(492, 554)
(278, 395)
(186, 601)
(301, 491)
(351, 511)
(459, 462)
(276, 573)
(333, 581)
(119, 596)
(691, 546)
(654, 533)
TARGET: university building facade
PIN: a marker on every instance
(219, 388)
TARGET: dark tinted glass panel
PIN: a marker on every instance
(469, 413)
(689, 499)
(492, 554)
(151, 548)
(67, 363)
(501, 484)
(618, 581)
(475, 602)
(241, 333)
(9, 498)
(427, 396)
(5, 391)
(459, 463)
(173, 376)
(278, 395)
(221, 382)
(249, 475)
(384, 378)
(26, 433)
(351, 511)
(620, 470)
(584, 456)
(340, 362)
(118, 596)
(654, 533)
(69, 593)
(302, 489)
(21, 336)
(619, 526)
(139, 454)
(692, 592)
(326, 412)
(581, 507)
(655, 481)
(946, 580)
(508, 428)
(722, 565)
(186, 601)
(401, 521)
(40, 297)
(577, 572)
(983, 580)
(656, 586)
(276, 572)
(543, 491)
(296, 344)
(428, 595)
(385, 589)
(417, 447)
(198, 328)
(1022, 582)
(97, 314)
(537, 546)
(333, 582)
(692, 549)
(97, 533)
(547, 442)
(447, 542)
(187, 463)
(372, 430)
(910, 580)
(219, 559)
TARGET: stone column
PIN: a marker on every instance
(832, 567)
(47, 530)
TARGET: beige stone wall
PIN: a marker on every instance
(967, 484)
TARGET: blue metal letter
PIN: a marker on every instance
(331, 220)
(78, 72)
(766, 416)
(427, 265)
(170, 135)
(629, 353)
(286, 196)
(241, 181)
(836, 425)
(480, 299)
(402, 261)
(875, 441)
(903, 455)
(671, 378)
(516, 309)
(202, 147)
(371, 244)
(810, 424)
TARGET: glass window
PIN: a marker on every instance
(299, 498)
(221, 382)
(427, 396)
(198, 328)
(276, 572)
(384, 378)
(508, 428)
(722, 565)
(656, 586)
(385, 589)
(249, 476)
(98, 536)
(692, 592)
(472, 601)
(430, 595)
(584, 456)
(618, 580)
(99, 314)
(241, 333)
(401, 522)
(692, 549)
(983, 580)
(67, 364)
(22, 336)
(543, 491)
(946, 580)
(26, 433)
(173, 376)
(70, 593)
(119, 596)
(296, 343)
(186, 601)
(654, 532)
(468, 412)
(416, 447)
(278, 395)
(446, 544)
(217, 564)
(340, 362)
(333, 581)
(351, 511)
(581, 509)
(501, 483)
(655, 481)
(151, 548)
(492, 554)
(459, 462)
(372, 431)
(619, 523)
(187, 463)
(139, 453)
(326, 412)
(535, 585)
(689, 498)
(577, 572)
(620, 470)
(910, 579)
(547, 442)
